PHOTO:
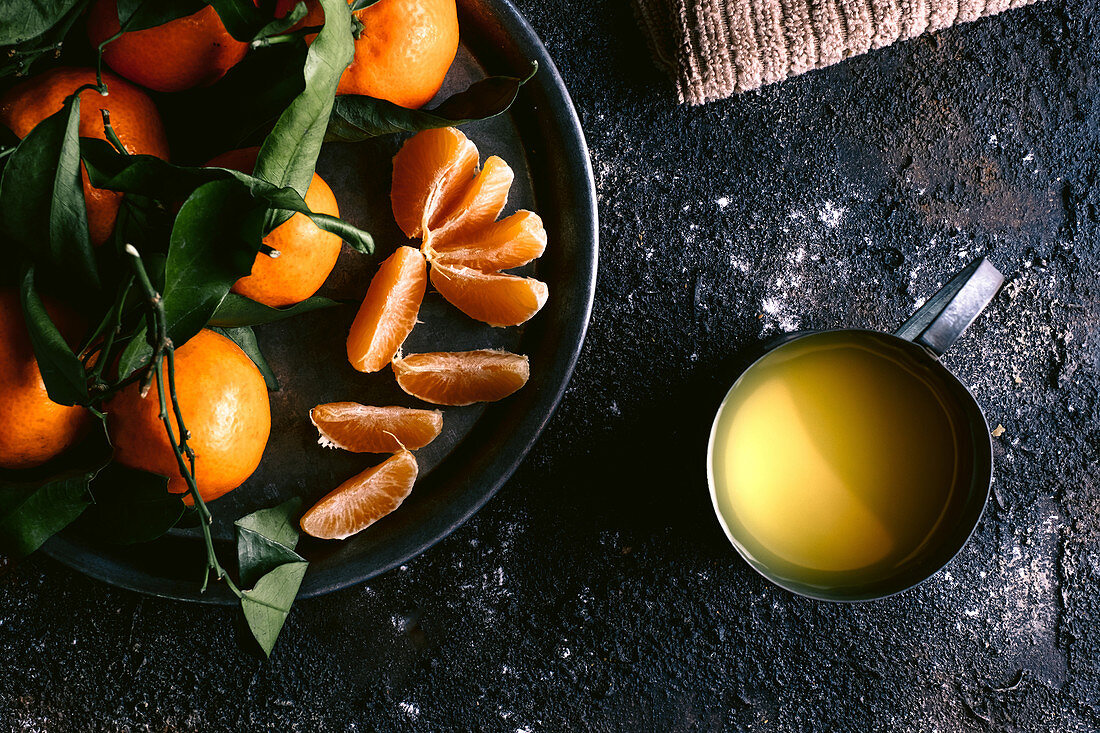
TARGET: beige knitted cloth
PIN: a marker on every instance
(715, 48)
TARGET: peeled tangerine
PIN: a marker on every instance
(367, 429)
(437, 196)
(462, 377)
(389, 310)
(361, 501)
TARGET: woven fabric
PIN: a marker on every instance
(716, 48)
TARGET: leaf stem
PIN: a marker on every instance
(285, 37)
(105, 391)
(99, 58)
(110, 134)
(114, 318)
(16, 52)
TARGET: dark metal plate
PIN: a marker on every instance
(481, 445)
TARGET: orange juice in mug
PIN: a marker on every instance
(850, 464)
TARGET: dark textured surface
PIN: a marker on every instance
(596, 591)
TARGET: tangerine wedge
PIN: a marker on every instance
(462, 377)
(495, 298)
(502, 245)
(480, 204)
(389, 309)
(367, 429)
(431, 172)
(361, 501)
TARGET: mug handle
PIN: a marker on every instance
(947, 314)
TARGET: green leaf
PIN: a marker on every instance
(23, 55)
(247, 101)
(30, 517)
(280, 25)
(266, 539)
(21, 21)
(37, 503)
(356, 117)
(150, 176)
(237, 310)
(267, 605)
(145, 224)
(278, 523)
(137, 15)
(246, 21)
(61, 369)
(244, 337)
(214, 242)
(136, 354)
(265, 553)
(216, 233)
(355, 237)
(130, 506)
(288, 156)
(9, 141)
(42, 201)
(240, 17)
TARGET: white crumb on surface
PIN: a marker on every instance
(831, 215)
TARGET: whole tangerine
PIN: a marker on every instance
(134, 119)
(307, 253)
(33, 428)
(403, 52)
(187, 52)
(225, 407)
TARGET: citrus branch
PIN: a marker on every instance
(164, 355)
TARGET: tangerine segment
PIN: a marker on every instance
(462, 377)
(479, 205)
(430, 173)
(495, 298)
(367, 429)
(361, 501)
(502, 245)
(389, 310)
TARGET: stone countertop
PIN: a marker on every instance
(596, 591)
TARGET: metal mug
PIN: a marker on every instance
(925, 337)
